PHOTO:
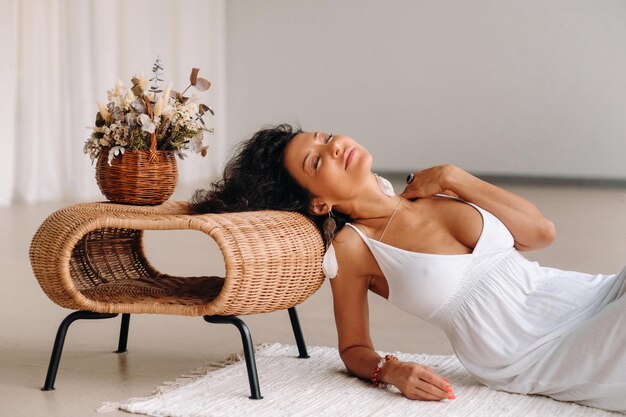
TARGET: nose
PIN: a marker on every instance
(335, 149)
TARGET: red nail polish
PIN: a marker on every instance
(451, 397)
(448, 389)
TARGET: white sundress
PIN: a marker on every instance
(513, 324)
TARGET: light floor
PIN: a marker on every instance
(591, 237)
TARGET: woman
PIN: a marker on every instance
(447, 250)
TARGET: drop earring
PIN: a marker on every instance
(330, 225)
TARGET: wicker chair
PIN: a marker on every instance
(89, 257)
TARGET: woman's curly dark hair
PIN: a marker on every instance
(256, 179)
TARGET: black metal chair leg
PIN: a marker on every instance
(297, 331)
(55, 358)
(121, 346)
(248, 349)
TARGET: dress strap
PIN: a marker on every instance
(360, 232)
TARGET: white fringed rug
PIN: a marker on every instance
(320, 386)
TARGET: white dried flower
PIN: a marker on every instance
(114, 151)
(119, 89)
(158, 106)
(103, 111)
(166, 95)
(143, 84)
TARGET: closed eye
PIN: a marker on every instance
(316, 161)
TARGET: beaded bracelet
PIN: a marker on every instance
(380, 364)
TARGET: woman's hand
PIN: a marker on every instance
(528, 226)
(417, 382)
(429, 182)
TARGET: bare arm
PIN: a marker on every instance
(351, 308)
(530, 229)
(356, 349)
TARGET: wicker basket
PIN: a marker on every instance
(143, 178)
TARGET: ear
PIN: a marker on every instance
(319, 207)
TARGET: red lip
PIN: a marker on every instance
(349, 156)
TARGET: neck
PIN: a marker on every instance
(370, 207)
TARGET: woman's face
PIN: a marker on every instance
(332, 168)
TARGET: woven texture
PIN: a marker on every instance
(133, 178)
(320, 386)
(90, 257)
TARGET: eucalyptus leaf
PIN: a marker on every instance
(117, 114)
(196, 141)
(137, 90)
(129, 120)
(147, 125)
(194, 75)
(138, 106)
(202, 84)
(157, 67)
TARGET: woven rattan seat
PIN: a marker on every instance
(90, 257)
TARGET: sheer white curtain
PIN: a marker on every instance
(60, 56)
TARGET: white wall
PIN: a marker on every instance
(513, 87)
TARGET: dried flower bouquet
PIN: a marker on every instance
(141, 118)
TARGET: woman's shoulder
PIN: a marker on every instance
(351, 251)
(347, 241)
